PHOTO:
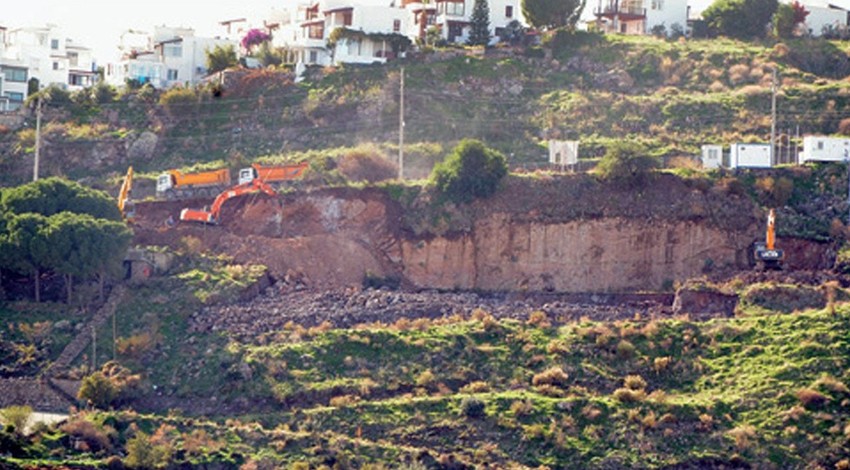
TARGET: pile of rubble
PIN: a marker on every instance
(344, 308)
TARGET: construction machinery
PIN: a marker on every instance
(125, 203)
(273, 175)
(766, 254)
(211, 216)
(175, 184)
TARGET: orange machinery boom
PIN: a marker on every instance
(211, 216)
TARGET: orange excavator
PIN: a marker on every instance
(211, 216)
(766, 253)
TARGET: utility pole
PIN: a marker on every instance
(773, 86)
(37, 138)
(401, 129)
(93, 348)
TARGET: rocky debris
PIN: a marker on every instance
(342, 308)
(703, 302)
(40, 394)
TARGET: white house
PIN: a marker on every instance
(712, 156)
(750, 156)
(825, 15)
(641, 16)
(168, 57)
(49, 56)
(817, 148)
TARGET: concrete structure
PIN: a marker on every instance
(712, 156)
(825, 149)
(641, 16)
(168, 57)
(750, 156)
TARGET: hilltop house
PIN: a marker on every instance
(43, 54)
(641, 16)
(168, 57)
(370, 27)
(826, 16)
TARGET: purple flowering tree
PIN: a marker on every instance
(254, 38)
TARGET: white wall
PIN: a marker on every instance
(750, 156)
(666, 12)
(825, 149)
(819, 17)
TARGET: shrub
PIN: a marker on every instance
(97, 390)
(844, 127)
(628, 163)
(425, 378)
(551, 376)
(471, 171)
(625, 349)
(472, 407)
(634, 382)
(627, 395)
(142, 452)
(367, 165)
(16, 416)
(179, 101)
(811, 398)
(94, 437)
(475, 387)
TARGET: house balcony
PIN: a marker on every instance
(624, 10)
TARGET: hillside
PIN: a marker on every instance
(674, 95)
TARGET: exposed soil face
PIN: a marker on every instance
(555, 234)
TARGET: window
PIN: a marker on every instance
(173, 50)
(346, 18)
(509, 11)
(55, 65)
(316, 31)
(396, 26)
(820, 145)
(455, 8)
(73, 59)
(172, 74)
(314, 57)
(14, 75)
(54, 44)
(657, 4)
(15, 96)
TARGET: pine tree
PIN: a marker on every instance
(480, 33)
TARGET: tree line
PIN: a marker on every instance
(54, 225)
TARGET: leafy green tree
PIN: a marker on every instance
(268, 55)
(787, 17)
(221, 57)
(553, 13)
(25, 248)
(628, 163)
(479, 34)
(144, 453)
(743, 19)
(97, 390)
(471, 171)
(16, 416)
(54, 195)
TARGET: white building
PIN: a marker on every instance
(750, 156)
(641, 16)
(48, 56)
(712, 156)
(825, 15)
(818, 148)
(168, 57)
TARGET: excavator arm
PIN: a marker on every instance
(211, 216)
(766, 253)
(125, 204)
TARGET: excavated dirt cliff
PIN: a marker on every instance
(562, 234)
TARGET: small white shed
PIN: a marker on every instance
(712, 156)
(750, 156)
(817, 148)
(563, 152)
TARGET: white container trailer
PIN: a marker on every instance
(750, 156)
(818, 148)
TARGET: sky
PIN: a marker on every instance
(98, 24)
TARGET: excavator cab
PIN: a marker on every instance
(766, 254)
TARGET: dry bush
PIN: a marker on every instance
(684, 163)
(367, 164)
(557, 346)
(191, 244)
(94, 437)
(522, 408)
(649, 421)
(550, 391)
(751, 90)
(539, 319)
(590, 412)
(844, 127)
(425, 378)
(831, 383)
(731, 186)
(739, 73)
(199, 442)
(344, 400)
(627, 395)
(743, 436)
(135, 346)
(717, 87)
(811, 398)
(36, 332)
(661, 363)
(706, 421)
(478, 386)
(551, 376)
(634, 382)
